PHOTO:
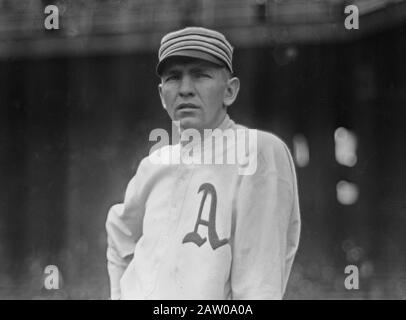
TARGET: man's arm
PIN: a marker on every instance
(119, 243)
(267, 228)
(124, 228)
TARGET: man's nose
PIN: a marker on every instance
(186, 87)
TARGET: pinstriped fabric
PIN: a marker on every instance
(220, 43)
(196, 39)
(213, 50)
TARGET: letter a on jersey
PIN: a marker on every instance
(194, 236)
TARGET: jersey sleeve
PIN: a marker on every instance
(124, 228)
(267, 229)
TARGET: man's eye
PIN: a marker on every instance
(173, 77)
(203, 75)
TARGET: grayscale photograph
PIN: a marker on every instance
(202, 150)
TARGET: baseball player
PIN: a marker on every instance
(192, 230)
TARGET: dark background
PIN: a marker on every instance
(73, 130)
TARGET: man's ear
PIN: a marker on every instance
(160, 94)
(233, 86)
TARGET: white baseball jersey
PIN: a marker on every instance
(205, 231)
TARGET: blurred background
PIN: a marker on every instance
(77, 105)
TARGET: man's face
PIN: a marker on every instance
(194, 92)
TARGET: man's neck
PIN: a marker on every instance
(204, 132)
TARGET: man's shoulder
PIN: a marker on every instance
(270, 150)
(265, 141)
(160, 156)
(269, 139)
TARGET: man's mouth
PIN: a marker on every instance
(186, 106)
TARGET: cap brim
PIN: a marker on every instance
(191, 54)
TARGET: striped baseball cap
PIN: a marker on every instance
(196, 42)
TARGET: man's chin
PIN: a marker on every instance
(190, 123)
